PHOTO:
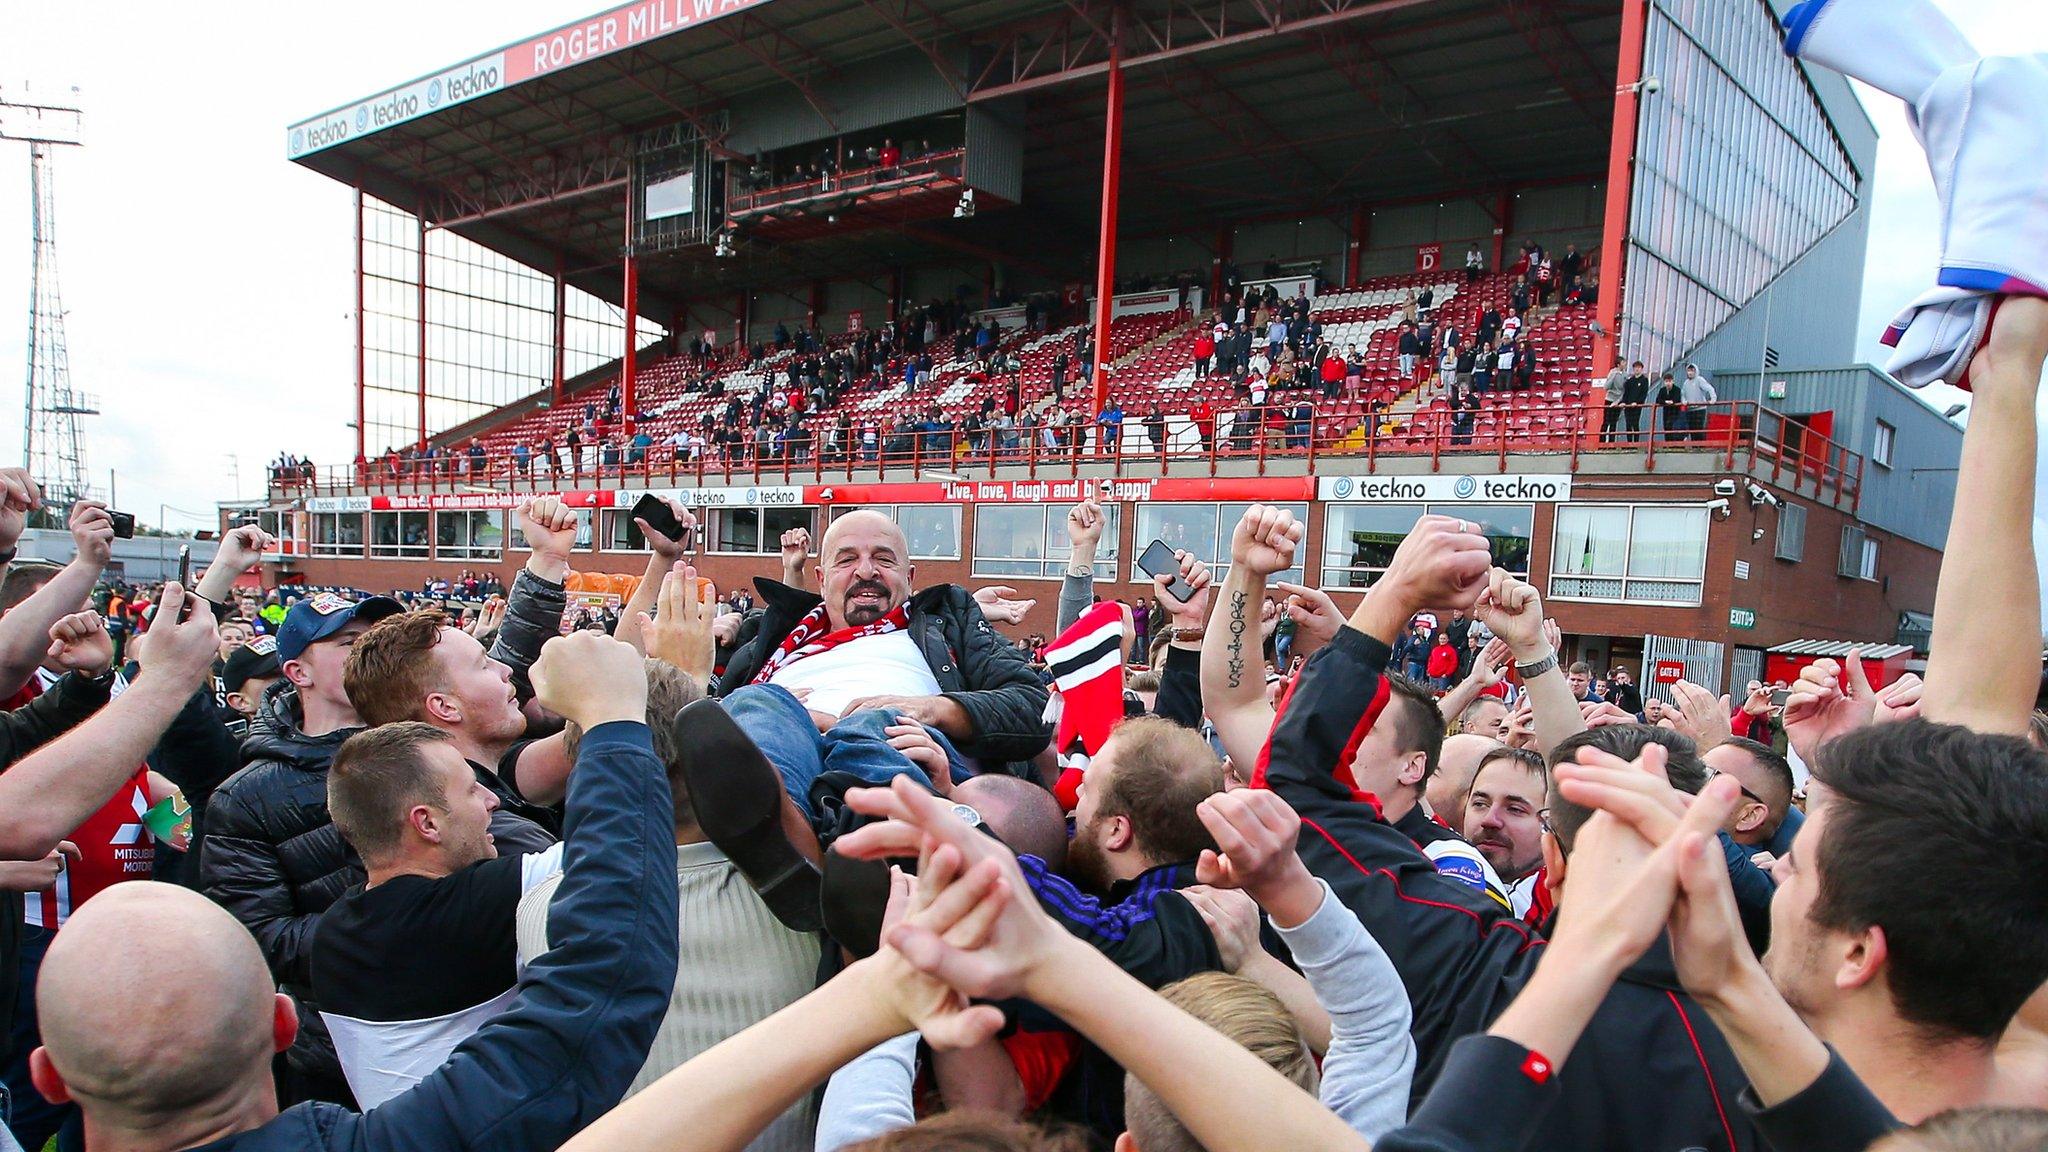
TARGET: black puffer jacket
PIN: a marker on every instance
(274, 859)
(975, 666)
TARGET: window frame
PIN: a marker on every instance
(1867, 558)
(1624, 576)
(1788, 515)
(1219, 567)
(401, 550)
(1882, 443)
(1058, 553)
(1340, 576)
(586, 532)
(768, 544)
(892, 511)
(316, 547)
(469, 551)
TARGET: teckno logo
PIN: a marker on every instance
(362, 117)
(1465, 487)
(1343, 488)
(391, 110)
(434, 94)
(469, 83)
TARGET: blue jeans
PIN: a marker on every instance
(781, 727)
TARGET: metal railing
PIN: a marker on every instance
(1743, 433)
(842, 185)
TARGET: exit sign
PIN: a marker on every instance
(1741, 618)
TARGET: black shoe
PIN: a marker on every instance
(737, 795)
(855, 894)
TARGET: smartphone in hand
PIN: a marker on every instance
(661, 518)
(1158, 560)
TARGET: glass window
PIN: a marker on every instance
(398, 534)
(1859, 554)
(1791, 532)
(1507, 527)
(1654, 554)
(1359, 541)
(1205, 530)
(758, 531)
(583, 531)
(932, 530)
(1881, 445)
(468, 535)
(1031, 540)
(621, 534)
(337, 533)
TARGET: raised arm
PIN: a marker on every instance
(55, 788)
(1488, 670)
(1371, 1058)
(25, 631)
(1514, 612)
(1233, 668)
(1984, 661)
(567, 1049)
(1180, 677)
(240, 550)
(1084, 535)
(533, 610)
(664, 554)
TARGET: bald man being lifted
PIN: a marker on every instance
(833, 684)
(160, 1017)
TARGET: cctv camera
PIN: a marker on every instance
(1724, 487)
(825, 496)
(1756, 534)
(1719, 508)
(1652, 86)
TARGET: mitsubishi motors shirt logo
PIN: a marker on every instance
(132, 833)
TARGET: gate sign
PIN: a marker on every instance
(1670, 671)
(1429, 257)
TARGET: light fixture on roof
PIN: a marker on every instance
(964, 210)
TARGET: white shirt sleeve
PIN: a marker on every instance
(1371, 1061)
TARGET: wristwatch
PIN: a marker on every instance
(1531, 671)
(1189, 635)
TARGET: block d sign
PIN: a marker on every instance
(1741, 618)
(1670, 671)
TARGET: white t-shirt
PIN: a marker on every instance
(885, 665)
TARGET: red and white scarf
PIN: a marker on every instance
(809, 638)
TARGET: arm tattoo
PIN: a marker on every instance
(1236, 662)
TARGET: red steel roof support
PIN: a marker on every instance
(1112, 177)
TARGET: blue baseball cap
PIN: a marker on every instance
(317, 617)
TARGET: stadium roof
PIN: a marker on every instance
(1234, 110)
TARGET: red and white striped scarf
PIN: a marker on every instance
(809, 638)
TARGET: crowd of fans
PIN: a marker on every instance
(1272, 350)
(1254, 873)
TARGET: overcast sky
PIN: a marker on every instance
(207, 279)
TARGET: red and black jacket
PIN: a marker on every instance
(1463, 958)
(1461, 955)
